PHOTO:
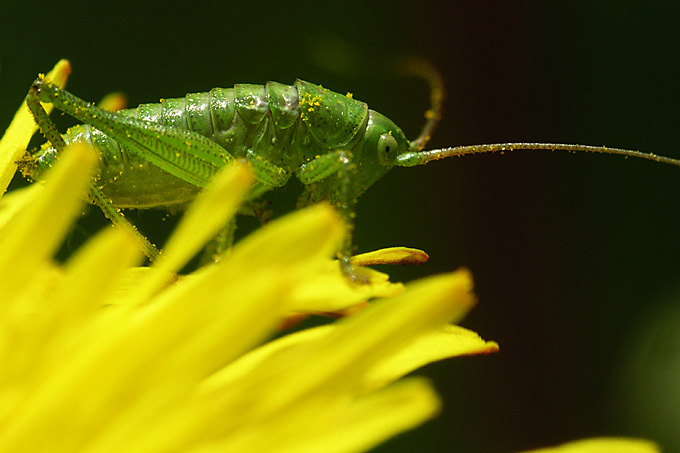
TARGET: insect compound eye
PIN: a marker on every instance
(387, 149)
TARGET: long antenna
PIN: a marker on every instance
(419, 67)
(414, 158)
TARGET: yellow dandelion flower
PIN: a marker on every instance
(161, 372)
(101, 356)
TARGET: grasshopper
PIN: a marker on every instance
(160, 155)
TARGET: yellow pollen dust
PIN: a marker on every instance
(310, 102)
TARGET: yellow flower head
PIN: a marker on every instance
(100, 356)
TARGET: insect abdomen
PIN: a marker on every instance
(286, 125)
(236, 118)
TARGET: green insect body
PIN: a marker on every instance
(279, 128)
(161, 155)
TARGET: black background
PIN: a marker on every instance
(575, 257)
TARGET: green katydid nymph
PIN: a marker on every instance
(161, 155)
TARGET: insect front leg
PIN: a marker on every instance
(336, 164)
(268, 175)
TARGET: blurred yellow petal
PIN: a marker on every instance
(377, 417)
(85, 283)
(206, 215)
(34, 233)
(13, 202)
(113, 102)
(603, 445)
(357, 343)
(340, 425)
(284, 238)
(15, 140)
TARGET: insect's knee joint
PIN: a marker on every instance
(36, 86)
(40, 89)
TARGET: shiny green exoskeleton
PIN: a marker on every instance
(281, 130)
(161, 155)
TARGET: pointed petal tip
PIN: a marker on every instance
(402, 256)
(59, 74)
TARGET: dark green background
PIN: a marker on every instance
(575, 257)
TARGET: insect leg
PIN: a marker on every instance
(49, 130)
(116, 217)
(324, 166)
(338, 163)
(269, 176)
(185, 154)
(42, 119)
(220, 243)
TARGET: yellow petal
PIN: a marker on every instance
(15, 140)
(34, 233)
(284, 240)
(14, 201)
(137, 373)
(603, 445)
(373, 418)
(448, 341)
(391, 255)
(206, 215)
(357, 343)
(113, 102)
(328, 289)
(340, 425)
(127, 289)
(91, 274)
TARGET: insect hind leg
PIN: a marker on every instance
(35, 95)
(42, 119)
